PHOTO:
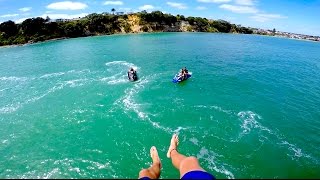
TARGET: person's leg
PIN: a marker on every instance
(182, 163)
(154, 171)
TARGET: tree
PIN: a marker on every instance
(221, 26)
(9, 28)
(191, 20)
(274, 31)
(33, 26)
(181, 17)
(48, 19)
(113, 10)
(73, 29)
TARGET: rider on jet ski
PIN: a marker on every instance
(132, 74)
(183, 73)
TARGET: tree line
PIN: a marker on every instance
(40, 29)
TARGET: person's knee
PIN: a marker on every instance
(190, 163)
(144, 173)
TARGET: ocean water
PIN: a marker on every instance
(250, 110)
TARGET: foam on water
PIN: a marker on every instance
(13, 78)
(57, 74)
(45, 76)
(250, 122)
(129, 103)
(120, 68)
(118, 78)
(49, 174)
(215, 108)
(113, 77)
(92, 167)
(123, 63)
(210, 158)
(76, 82)
(118, 81)
(194, 140)
(10, 108)
(177, 131)
(297, 151)
(52, 75)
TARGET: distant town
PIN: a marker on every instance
(285, 34)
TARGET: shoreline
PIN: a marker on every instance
(26, 44)
(284, 37)
(131, 33)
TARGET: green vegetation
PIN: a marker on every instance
(39, 29)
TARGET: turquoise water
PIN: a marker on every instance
(250, 110)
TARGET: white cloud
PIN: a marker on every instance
(67, 5)
(64, 16)
(21, 20)
(214, 1)
(245, 2)
(9, 15)
(115, 3)
(177, 5)
(146, 7)
(25, 9)
(267, 17)
(239, 9)
(201, 8)
(249, 7)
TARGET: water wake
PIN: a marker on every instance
(58, 74)
(69, 167)
(249, 122)
(114, 79)
(121, 63)
(119, 69)
(210, 158)
(129, 104)
(14, 107)
(13, 78)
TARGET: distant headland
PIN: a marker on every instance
(39, 29)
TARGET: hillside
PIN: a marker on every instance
(39, 29)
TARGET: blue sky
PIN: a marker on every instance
(299, 16)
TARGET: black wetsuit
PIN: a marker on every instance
(132, 75)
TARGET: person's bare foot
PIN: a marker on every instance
(173, 144)
(154, 155)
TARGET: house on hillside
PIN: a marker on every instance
(76, 19)
(62, 20)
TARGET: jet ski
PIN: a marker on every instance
(132, 75)
(177, 78)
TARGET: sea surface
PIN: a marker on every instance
(250, 110)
